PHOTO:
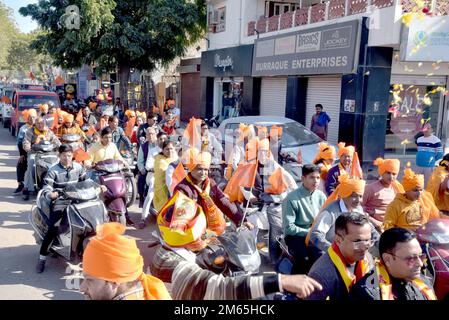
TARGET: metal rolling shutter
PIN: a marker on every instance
(273, 97)
(327, 91)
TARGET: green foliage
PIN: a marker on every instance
(117, 33)
(8, 31)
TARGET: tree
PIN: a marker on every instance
(119, 34)
(21, 56)
(8, 31)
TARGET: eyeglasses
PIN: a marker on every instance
(411, 260)
(360, 244)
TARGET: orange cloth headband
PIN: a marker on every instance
(411, 180)
(390, 165)
(343, 149)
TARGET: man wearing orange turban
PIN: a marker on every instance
(378, 195)
(324, 159)
(412, 209)
(70, 127)
(345, 154)
(347, 197)
(29, 116)
(438, 185)
(113, 268)
(43, 109)
(199, 187)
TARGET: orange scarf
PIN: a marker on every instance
(340, 263)
(214, 216)
(386, 288)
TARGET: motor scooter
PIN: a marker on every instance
(81, 217)
(434, 236)
(111, 176)
(46, 157)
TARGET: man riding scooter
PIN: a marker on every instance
(39, 132)
(58, 177)
(101, 151)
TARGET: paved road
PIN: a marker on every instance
(19, 252)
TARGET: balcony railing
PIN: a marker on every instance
(334, 9)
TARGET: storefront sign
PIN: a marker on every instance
(228, 62)
(426, 39)
(323, 50)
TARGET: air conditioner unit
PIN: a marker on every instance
(214, 17)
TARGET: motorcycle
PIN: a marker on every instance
(434, 235)
(46, 157)
(111, 176)
(130, 180)
(84, 213)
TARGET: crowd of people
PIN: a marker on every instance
(349, 239)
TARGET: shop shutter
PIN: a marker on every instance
(273, 97)
(327, 91)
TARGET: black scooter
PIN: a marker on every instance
(84, 213)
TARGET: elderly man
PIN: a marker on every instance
(412, 209)
(57, 178)
(378, 195)
(39, 132)
(346, 198)
(345, 154)
(397, 276)
(113, 268)
(346, 261)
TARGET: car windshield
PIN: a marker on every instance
(295, 134)
(30, 101)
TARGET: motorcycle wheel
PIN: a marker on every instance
(131, 191)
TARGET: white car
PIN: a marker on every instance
(295, 137)
(6, 108)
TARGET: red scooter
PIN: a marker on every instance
(435, 236)
(111, 176)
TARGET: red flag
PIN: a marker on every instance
(356, 169)
(244, 176)
(178, 175)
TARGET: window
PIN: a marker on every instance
(32, 101)
(221, 25)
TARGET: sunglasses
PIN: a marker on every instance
(411, 260)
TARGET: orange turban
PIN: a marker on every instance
(92, 105)
(192, 158)
(130, 113)
(346, 186)
(43, 108)
(68, 118)
(325, 152)
(29, 112)
(112, 257)
(390, 165)
(342, 149)
(412, 180)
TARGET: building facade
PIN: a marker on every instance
(353, 57)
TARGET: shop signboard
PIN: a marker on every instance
(228, 62)
(426, 40)
(323, 50)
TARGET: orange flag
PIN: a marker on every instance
(80, 155)
(192, 133)
(91, 130)
(244, 176)
(277, 181)
(178, 175)
(130, 126)
(79, 118)
(356, 169)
